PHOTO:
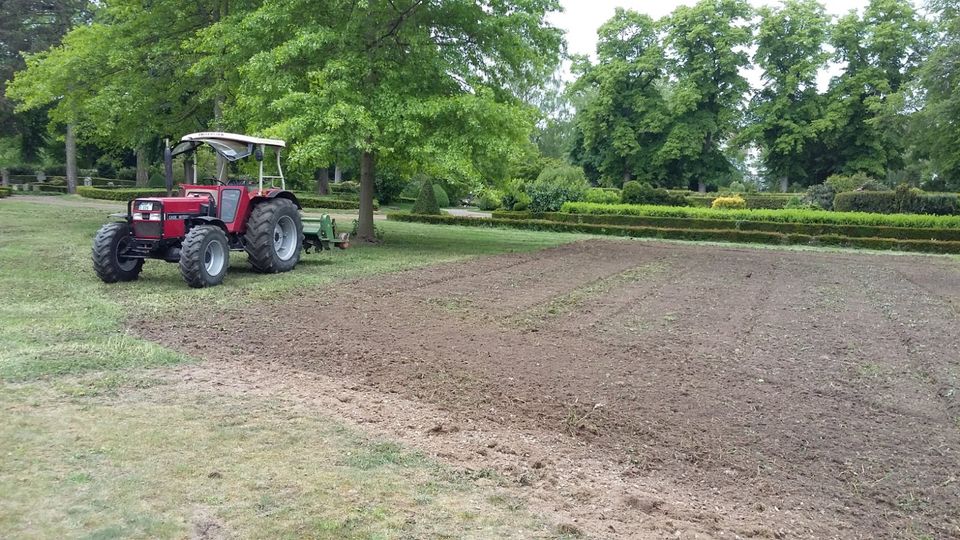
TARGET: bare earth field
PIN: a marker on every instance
(638, 389)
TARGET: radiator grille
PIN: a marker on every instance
(147, 229)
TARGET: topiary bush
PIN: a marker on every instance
(602, 196)
(522, 202)
(642, 193)
(905, 200)
(821, 196)
(489, 199)
(426, 200)
(443, 201)
(849, 182)
(729, 203)
(557, 184)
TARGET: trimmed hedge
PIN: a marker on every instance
(309, 201)
(119, 194)
(779, 216)
(810, 229)
(5, 192)
(62, 180)
(730, 235)
(901, 201)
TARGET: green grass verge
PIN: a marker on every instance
(57, 318)
(777, 216)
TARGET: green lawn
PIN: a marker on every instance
(96, 446)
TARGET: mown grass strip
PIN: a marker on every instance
(777, 216)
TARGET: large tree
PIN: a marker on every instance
(707, 44)
(413, 83)
(125, 80)
(866, 115)
(784, 113)
(937, 131)
(623, 117)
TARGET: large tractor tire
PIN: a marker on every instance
(274, 236)
(204, 256)
(110, 266)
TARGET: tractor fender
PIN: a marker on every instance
(207, 220)
(279, 194)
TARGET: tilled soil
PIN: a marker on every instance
(737, 391)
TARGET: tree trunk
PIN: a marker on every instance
(4, 177)
(322, 177)
(701, 186)
(337, 174)
(187, 171)
(71, 142)
(365, 231)
(143, 174)
(784, 184)
(222, 165)
(627, 176)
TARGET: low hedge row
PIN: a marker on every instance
(312, 201)
(901, 201)
(778, 216)
(5, 192)
(810, 229)
(119, 194)
(728, 235)
(62, 180)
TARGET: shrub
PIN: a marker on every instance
(729, 203)
(556, 185)
(821, 196)
(427, 200)
(5, 192)
(345, 187)
(124, 194)
(25, 169)
(127, 173)
(512, 190)
(489, 199)
(443, 201)
(601, 196)
(314, 201)
(522, 202)
(55, 170)
(848, 182)
(388, 186)
(737, 187)
(641, 193)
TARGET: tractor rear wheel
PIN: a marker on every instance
(204, 256)
(113, 239)
(274, 236)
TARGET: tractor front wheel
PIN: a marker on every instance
(204, 256)
(111, 241)
(274, 236)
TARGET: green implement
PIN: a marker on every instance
(321, 234)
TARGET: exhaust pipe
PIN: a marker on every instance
(168, 166)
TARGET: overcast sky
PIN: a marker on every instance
(582, 18)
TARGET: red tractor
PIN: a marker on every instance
(199, 228)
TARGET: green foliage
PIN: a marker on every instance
(779, 216)
(849, 182)
(442, 199)
(821, 195)
(5, 192)
(641, 193)
(904, 200)
(522, 202)
(333, 203)
(512, 191)
(489, 199)
(556, 185)
(388, 185)
(737, 187)
(426, 200)
(728, 203)
(602, 196)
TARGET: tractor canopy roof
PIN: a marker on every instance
(231, 146)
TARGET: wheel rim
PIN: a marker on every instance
(125, 263)
(213, 258)
(285, 238)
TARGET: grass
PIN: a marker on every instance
(777, 216)
(164, 463)
(100, 441)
